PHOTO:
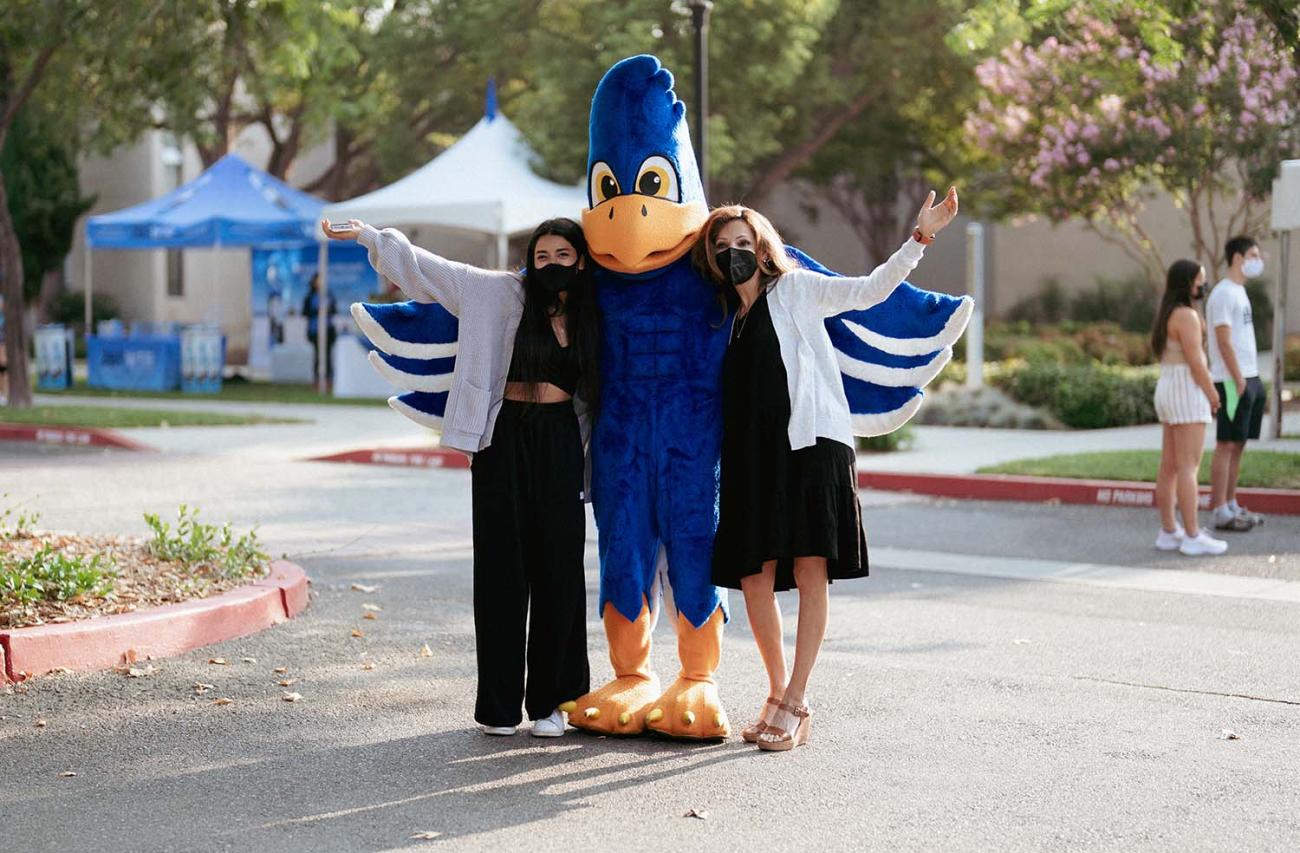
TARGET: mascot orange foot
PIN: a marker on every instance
(619, 708)
(691, 707)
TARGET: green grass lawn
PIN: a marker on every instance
(250, 392)
(1259, 468)
(114, 418)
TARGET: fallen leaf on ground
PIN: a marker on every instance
(248, 660)
(1229, 734)
(701, 814)
(68, 774)
(288, 681)
(292, 697)
(356, 632)
(222, 701)
(136, 672)
(280, 670)
(130, 656)
(425, 651)
(367, 666)
(200, 688)
(40, 724)
(369, 616)
(361, 587)
(218, 661)
(374, 607)
(426, 836)
(61, 670)
(1020, 641)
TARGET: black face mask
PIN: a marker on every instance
(1198, 293)
(738, 265)
(555, 278)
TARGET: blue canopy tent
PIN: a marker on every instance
(231, 205)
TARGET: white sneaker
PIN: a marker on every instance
(1166, 541)
(500, 731)
(1202, 543)
(552, 726)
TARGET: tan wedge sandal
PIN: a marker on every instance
(786, 741)
(750, 734)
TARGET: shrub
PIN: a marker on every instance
(70, 309)
(1066, 343)
(194, 543)
(1084, 396)
(1261, 312)
(50, 575)
(954, 405)
(1130, 303)
(899, 439)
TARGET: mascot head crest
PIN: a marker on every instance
(646, 201)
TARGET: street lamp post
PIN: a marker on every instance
(700, 17)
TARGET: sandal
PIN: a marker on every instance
(784, 741)
(750, 734)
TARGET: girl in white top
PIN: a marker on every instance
(1186, 400)
(788, 512)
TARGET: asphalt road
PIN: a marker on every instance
(951, 712)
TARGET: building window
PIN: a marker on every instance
(175, 273)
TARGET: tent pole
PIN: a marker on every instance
(88, 293)
(503, 249)
(322, 308)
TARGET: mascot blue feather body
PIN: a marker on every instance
(657, 441)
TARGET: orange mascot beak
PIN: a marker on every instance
(635, 233)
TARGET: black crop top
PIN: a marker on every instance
(559, 364)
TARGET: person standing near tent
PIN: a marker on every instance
(525, 377)
(311, 310)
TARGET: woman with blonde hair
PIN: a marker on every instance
(789, 512)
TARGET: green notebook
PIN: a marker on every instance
(1230, 404)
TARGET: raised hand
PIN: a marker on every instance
(934, 218)
(348, 230)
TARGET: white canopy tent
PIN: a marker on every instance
(483, 184)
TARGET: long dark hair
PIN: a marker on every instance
(1178, 292)
(581, 317)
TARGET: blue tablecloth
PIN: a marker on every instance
(135, 363)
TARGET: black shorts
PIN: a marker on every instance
(1250, 413)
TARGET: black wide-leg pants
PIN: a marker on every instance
(529, 589)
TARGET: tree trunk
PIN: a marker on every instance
(51, 288)
(11, 282)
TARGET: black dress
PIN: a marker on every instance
(778, 503)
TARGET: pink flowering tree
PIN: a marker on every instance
(1091, 122)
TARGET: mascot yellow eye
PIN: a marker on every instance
(604, 185)
(658, 178)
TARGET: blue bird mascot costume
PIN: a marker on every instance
(656, 446)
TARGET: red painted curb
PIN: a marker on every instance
(1010, 487)
(157, 632)
(69, 435)
(415, 457)
(4, 668)
(291, 581)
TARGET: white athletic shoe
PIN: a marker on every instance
(1200, 544)
(552, 726)
(1170, 541)
(499, 731)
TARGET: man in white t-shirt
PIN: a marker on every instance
(1233, 359)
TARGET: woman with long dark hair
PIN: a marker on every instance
(522, 389)
(1186, 401)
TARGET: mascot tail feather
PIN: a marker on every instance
(416, 344)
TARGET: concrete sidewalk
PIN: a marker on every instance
(338, 428)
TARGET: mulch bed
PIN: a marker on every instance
(142, 580)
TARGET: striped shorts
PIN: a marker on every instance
(1178, 398)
